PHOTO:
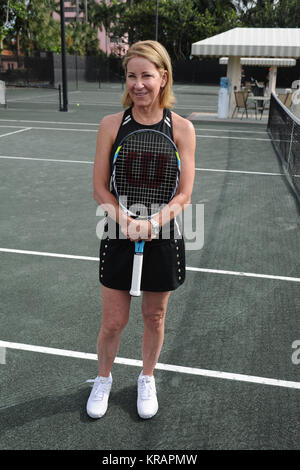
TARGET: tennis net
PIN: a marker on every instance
(284, 131)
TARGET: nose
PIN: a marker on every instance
(138, 84)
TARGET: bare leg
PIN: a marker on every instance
(115, 314)
(154, 309)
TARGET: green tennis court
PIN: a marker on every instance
(228, 375)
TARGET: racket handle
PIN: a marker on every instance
(136, 275)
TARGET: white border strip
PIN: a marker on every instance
(188, 268)
(160, 366)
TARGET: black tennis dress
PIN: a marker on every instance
(164, 256)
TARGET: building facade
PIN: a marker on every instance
(106, 44)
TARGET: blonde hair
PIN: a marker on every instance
(157, 54)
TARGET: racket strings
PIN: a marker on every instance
(146, 173)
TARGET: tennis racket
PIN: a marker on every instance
(145, 176)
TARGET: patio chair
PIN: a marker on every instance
(286, 99)
(241, 103)
(282, 97)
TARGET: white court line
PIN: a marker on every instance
(12, 157)
(188, 106)
(63, 129)
(159, 366)
(45, 159)
(53, 255)
(42, 111)
(83, 103)
(241, 171)
(188, 268)
(234, 138)
(50, 128)
(241, 273)
(182, 87)
(15, 132)
(100, 103)
(50, 94)
(97, 124)
(241, 131)
(51, 122)
(13, 127)
(95, 130)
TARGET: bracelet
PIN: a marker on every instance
(155, 227)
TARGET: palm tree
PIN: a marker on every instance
(103, 15)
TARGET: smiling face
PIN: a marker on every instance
(144, 81)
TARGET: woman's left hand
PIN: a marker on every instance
(140, 230)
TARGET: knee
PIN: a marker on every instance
(112, 328)
(154, 317)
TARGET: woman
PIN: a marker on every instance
(148, 96)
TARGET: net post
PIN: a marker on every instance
(59, 96)
(63, 56)
(99, 73)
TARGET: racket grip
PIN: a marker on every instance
(136, 275)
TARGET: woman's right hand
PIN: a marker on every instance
(137, 230)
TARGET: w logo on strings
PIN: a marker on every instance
(146, 169)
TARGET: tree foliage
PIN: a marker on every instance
(104, 16)
(269, 13)
(41, 30)
(81, 39)
(12, 16)
(180, 22)
(30, 25)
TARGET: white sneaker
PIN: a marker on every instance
(97, 403)
(147, 404)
